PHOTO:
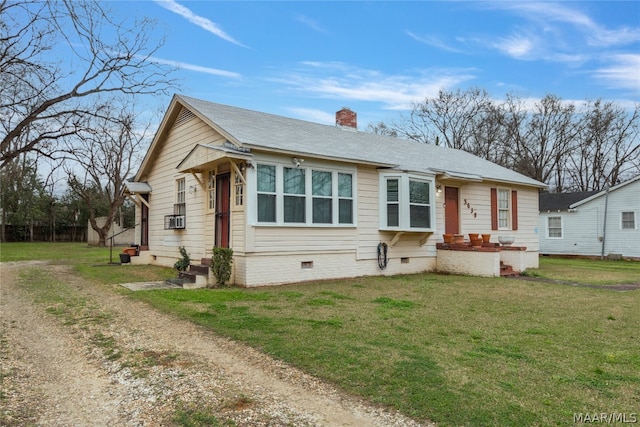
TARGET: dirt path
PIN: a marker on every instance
(106, 360)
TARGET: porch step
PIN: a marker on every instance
(196, 277)
(508, 271)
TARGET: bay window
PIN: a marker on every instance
(407, 203)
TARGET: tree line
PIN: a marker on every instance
(569, 147)
(77, 114)
(83, 119)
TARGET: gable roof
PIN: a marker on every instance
(561, 201)
(564, 201)
(603, 192)
(255, 130)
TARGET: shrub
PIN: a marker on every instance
(221, 264)
(183, 263)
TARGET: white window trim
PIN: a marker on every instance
(635, 220)
(561, 228)
(404, 223)
(211, 190)
(309, 166)
(181, 191)
(510, 206)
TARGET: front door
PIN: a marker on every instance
(451, 212)
(223, 214)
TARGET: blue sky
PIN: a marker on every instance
(308, 59)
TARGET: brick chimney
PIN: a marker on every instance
(346, 118)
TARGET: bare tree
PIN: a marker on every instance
(541, 139)
(451, 118)
(609, 146)
(107, 154)
(41, 103)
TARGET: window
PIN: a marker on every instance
(322, 200)
(345, 198)
(628, 220)
(419, 207)
(294, 195)
(393, 202)
(407, 203)
(211, 190)
(266, 177)
(304, 196)
(180, 208)
(238, 184)
(177, 220)
(503, 209)
(554, 227)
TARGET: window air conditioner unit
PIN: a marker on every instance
(174, 222)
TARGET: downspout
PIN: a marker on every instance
(604, 224)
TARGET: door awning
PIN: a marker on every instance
(206, 157)
(455, 175)
(132, 187)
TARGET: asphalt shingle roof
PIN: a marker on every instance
(561, 201)
(257, 130)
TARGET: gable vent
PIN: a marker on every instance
(184, 116)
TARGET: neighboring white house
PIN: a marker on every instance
(300, 201)
(592, 223)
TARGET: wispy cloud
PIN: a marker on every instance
(433, 41)
(596, 34)
(305, 20)
(336, 80)
(202, 22)
(196, 68)
(518, 46)
(622, 72)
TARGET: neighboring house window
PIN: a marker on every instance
(408, 203)
(211, 190)
(304, 196)
(554, 227)
(628, 220)
(266, 177)
(504, 209)
(239, 189)
(180, 209)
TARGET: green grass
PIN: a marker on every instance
(589, 271)
(455, 350)
(452, 349)
(57, 251)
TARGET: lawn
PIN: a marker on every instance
(452, 349)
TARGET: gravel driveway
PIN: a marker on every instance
(112, 361)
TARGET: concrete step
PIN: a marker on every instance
(507, 270)
(199, 268)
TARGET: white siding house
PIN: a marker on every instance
(301, 201)
(592, 223)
